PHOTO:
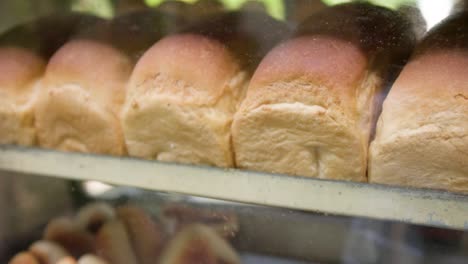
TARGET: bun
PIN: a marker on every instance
(84, 88)
(311, 103)
(20, 74)
(422, 134)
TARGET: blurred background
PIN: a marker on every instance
(14, 12)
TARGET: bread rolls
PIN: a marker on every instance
(147, 236)
(48, 252)
(69, 234)
(198, 244)
(422, 134)
(310, 105)
(83, 90)
(20, 74)
(23, 258)
(184, 91)
(113, 244)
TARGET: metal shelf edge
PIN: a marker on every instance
(414, 206)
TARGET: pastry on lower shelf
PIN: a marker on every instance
(92, 216)
(114, 245)
(48, 252)
(81, 97)
(24, 258)
(69, 234)
(91, 259)
(146, 235)
(311, 104)
(224, 223)
(422, 133)
(20, 74)
(198, 244)
(86, 259)
(67, 260)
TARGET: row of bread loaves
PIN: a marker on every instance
(309, 108)
(76, 100)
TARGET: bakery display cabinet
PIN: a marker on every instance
(273, 131)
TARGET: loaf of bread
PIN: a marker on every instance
(311, 103)
(422, 134)
(20, 74)
(184, 91)
(82, 94)
(182, 95)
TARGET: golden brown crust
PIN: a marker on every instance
(423, 130)
(181, 99)
(323, 61)
(310, 105)
(76, 63)
(83, 90)
(19, 67)
(422, 133)
(167, 56)
(20, 74)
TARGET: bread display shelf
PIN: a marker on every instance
(414, 206)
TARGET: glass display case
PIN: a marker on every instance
(124, 207)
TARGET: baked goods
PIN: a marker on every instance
(91, 259)
(113, 244)
(47, 252)
(198, 244)
(70, 235)
(422, 134)
(134, 236)
(83, 90)
(24, 258)
(311, 103)
(147, 236)
(20, 74)
(185, 89)
(92, 216)
(173, 112)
